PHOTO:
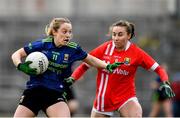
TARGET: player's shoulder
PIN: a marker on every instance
(135, 46)
(72, 44)
(46, 42)
(47, 39)
(43, 40)
(137, 49)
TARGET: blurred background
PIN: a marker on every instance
(157, 27)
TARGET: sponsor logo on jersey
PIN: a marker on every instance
(106, 57)
(118, 57)
(117, 71)
(121, 72)
(116, 60)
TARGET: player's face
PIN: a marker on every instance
(120, 37)
(63, 35)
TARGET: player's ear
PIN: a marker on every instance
(129, 37)
(54, 32)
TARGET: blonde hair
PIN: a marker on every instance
(54, 25)
(129, 27)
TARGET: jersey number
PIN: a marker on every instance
(55, 57)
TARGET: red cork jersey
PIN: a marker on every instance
(113, 89)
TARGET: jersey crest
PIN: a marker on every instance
(66, 57)
(127, 60)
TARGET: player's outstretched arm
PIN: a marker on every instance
(93, 61)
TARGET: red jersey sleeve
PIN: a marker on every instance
(148, 62)
(162, 73)
(79, 71)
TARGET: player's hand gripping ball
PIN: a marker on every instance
(39, 62)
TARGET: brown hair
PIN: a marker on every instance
(54, 25)
(129, 27)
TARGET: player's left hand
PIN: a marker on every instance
(69, 81)
(111, 67)
(24, 67)
(166, 89)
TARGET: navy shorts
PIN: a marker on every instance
(40, 98)
(159, 96)
(70, 93)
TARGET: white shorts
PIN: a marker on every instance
(111, 113)
(130, 99)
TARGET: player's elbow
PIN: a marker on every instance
(13, 55)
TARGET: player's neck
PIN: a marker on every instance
(120, 48)
(57, 44)
(124, 47)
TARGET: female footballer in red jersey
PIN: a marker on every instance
(116, 91)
